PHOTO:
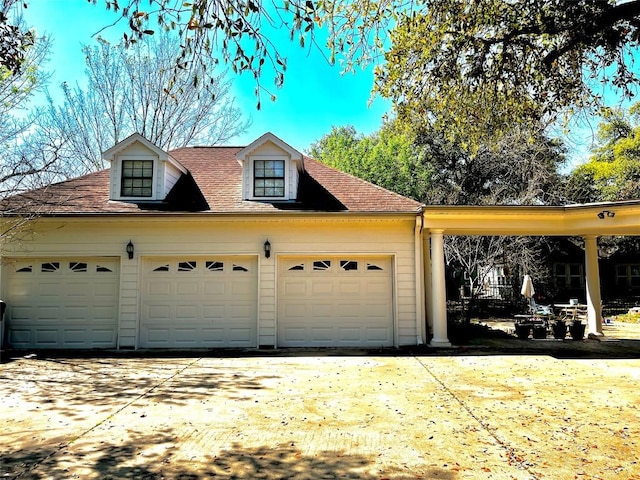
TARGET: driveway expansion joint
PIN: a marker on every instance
(513, 457)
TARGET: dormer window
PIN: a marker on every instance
(270, 170)
(268, 178)
(137, 178)
(141, 171)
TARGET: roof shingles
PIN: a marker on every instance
(218, 175)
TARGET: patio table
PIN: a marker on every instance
(571, 310)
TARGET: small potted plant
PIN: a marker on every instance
(576, 329)
(559, 329)
(539, 331)
(522, 330)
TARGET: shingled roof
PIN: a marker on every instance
(214, 185)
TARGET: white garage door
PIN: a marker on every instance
(335, 301)
(197, 302)
(62, 302)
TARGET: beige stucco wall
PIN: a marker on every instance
(205, 235)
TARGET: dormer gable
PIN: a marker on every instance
(141, 171)
(270, 170)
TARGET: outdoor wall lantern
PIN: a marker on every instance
(130, 249)
(267, 249)
(607, 213)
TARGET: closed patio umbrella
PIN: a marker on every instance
(527, 289)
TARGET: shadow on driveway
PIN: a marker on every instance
(300, 414)
(125, 460)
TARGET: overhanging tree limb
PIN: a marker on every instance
(629, 11)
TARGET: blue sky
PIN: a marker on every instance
(315, 95)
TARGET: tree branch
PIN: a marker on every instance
(623, 11)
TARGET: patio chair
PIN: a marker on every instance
(542, 310)
(540, 316)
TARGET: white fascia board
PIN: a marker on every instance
(294, 154)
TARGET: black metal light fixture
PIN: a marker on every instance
(130, 249)
(607, 213)
(267, 249)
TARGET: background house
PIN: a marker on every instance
(619, 263)
(561, 276)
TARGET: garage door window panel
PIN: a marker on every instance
(78, 267)
(321, 265)
(187, 266)
(50, 267)
(214, 266)
(348, 265)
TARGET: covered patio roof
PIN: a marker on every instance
(606, 218)
(587, 220)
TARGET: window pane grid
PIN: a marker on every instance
(268, 178)
(569, 275)
(628, 275)
(137, 178)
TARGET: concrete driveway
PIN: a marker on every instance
(319, 416)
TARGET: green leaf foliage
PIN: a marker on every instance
(387, 158)
(613, 171)
(518, 169)
(424, 165)
(480, 68)
(15, 39)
